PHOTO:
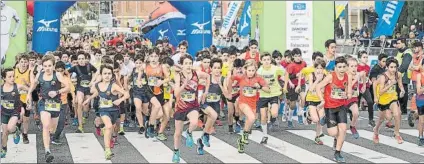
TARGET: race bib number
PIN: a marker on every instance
(269, 79)
(213, 97)
(235, 90)
(355, 92)
(52, 106)
(85, 83)
(105, 103)
(337, 93)
(249, 91)
(10, 105)
(23, 92)
(153, 81)
(188, 96)
(167, 89)
(392, 89)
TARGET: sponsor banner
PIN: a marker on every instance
(244, 25)
(105, 20)
(46, 27)
(11, 13)
(173, 29)
(230, 17)
(299, 31)
(390, 15)
(198, 23)
(214, 6)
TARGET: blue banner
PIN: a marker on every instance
(198, 23)
(173, 29)
(46, 27)
(379, 7)
(214, 6)
(244, 25)
(387, 21)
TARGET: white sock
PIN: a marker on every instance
(265, 130)
(122, 125)
(290, 114)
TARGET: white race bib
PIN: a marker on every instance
(337, 93)
(188, 96)
(52, 106)
(8, 104)
(85, 83)
(249, 91)
(213, 97)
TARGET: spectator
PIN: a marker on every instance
(340, 31)
(372, 19)
(404, 32)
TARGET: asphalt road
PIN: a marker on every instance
(284, 146)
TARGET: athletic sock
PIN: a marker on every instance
(265, 130)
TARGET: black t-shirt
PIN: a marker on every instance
(83, 69)
(376, 70)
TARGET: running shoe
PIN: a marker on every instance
(398, 139)
(411, 119)
(238, 128)
(334, 144)
(121, 131)
(108, 154)
(354, 132)
(230, 129)
(420, 141)
(75, 122)
(339, 158)
(49, 157)
(257, 124)
(55, 141)
(300, 120)
(318, 141)
(205, 140)
(150, 132)
(25, 138)
(218, 122)
(16, 136)
(245, 138)
(3, 153)
(141, 130)
(80, 130)
(189, 139)
(240, 145)
(290, 124)
(161, 137)
(176, 157)
(264, 140)
(371, 123)
(200, 146)
(376, 139)
(390, 125)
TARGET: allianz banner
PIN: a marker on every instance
(230, 17)
(46, 28)
(244, 25)
(387, 21)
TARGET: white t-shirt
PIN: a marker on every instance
(7, 14)
(176, 58)
(127, 68)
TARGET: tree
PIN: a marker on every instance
(410, 11)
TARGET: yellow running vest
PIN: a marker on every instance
(19, 79)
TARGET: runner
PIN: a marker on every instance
(60, 69)
(252, 53)
(352, 103)
(109, 103)
(298, 88)
(11, 108)
(168, 98)
(416, 68)
(420, 106)
(83, 73)
(315, 114)
(22, 77)
(156, 75)
(337, 90)
(330, 55)
(136, 81)
(364, 85)
(232, 103)
(249, 84)
(269, 101)
(188, 107)
(49, 104)
(388, 100)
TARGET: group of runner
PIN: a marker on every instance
(158, 88)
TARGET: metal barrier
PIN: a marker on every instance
(372, 47)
